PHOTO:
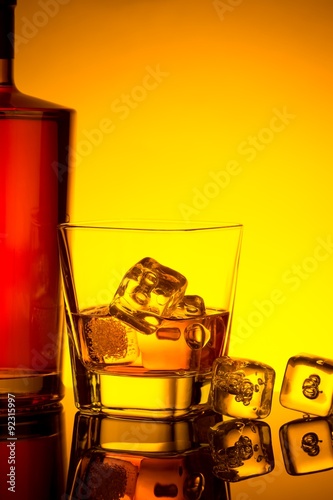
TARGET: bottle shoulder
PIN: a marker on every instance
(12, 100)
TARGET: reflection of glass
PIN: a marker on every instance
(149, 309)
(32, 458)
(127, 459)
(307, 445)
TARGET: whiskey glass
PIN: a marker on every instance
(149, 308)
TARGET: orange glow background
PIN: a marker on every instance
(186, 111)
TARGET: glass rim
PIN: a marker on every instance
(150, 225)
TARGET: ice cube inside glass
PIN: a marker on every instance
(148, 291)
(308, 385)
(242, 387)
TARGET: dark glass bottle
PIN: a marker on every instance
(34, 146)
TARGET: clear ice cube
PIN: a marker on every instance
(308, 385)
(191, 305)
(241, 449)
(105, 339)
(176, 345)
(148, 292)
(166, 349)
(306, 445)
(171, 346)
(242, 387)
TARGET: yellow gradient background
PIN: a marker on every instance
(190, 110)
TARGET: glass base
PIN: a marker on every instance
(31, 391)
(161, 397)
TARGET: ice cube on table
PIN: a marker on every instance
(241, 448)
(148, 292)
(191, 305)
(308, 385)
(241, 387)
(306, 445)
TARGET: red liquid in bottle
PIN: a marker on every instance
(34, 141)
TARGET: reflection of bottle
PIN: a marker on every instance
(32, 461)
(127, 459)
(34, 146)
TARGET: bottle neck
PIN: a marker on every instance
(6, 72)
(6, 41)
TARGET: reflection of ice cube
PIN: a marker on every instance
(308, 385)
(147, 292)
(241, 449)
(106, 477)
(306, 445)
(242, 388)
(108, 340)
(191, 305)
(161, 478)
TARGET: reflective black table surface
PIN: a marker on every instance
(62, 454)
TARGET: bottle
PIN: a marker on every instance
(33, 464)
(34, 151)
